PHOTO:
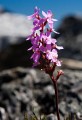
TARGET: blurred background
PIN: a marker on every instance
(14, 28)
(15, 63)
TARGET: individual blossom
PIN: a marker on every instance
(52, 55)
(49, 18)
(36, 13)
(35, 57)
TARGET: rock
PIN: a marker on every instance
(51, 117)
(3, 115)
(62, 108)
(71, 64)
(14, 29)
(4, 10)
(70, 31)
(29, 89)
(79, 116)
(73, 106)
(49, 89)
(13, 33)
(16, 56)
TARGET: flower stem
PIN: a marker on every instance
(56, 96)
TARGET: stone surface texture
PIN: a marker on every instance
(22, 90)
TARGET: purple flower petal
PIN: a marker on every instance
(35, 56)
(55, 31)
(29, 49)
(36, 9)
(36, 28)
(59, 47)
(48, 47)
(58, 63)
(49, 13)
(54, 19)
(50, 25)
(53, 40)
(41, 21)
(44, 14)
(35, 22)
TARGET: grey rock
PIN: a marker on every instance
(51, 117)
(62, 108)
(14, 27)
(30, 89)
(49, 89)
(70, 37)
(73, 106)
(79, 116)
(3, 115)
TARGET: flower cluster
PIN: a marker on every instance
(45, 49)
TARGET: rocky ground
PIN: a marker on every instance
(22, 90)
